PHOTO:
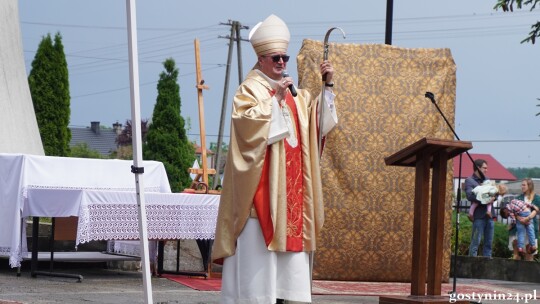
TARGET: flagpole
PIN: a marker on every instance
(137, 168)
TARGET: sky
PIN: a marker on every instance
(497, 86)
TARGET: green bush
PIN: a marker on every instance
(500, 237)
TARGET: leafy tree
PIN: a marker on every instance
(125, 140)
(49, 87)
(166, 140)
(83, 151)
(521, 173)
(508, 5)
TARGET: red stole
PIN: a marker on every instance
(295, 190)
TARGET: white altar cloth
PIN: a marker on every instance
(19, 173)
(113, 215)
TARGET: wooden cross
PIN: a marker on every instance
(204, 171)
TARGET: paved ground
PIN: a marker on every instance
(123, 287)
(113, 286)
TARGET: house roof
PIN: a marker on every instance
(496, 171)
(198, 150)
(103, 141)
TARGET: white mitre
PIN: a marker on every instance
(270, 36)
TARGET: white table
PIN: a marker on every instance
(63, 177)
(113, 215)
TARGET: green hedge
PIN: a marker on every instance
(500, 238)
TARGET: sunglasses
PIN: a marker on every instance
(276, 58)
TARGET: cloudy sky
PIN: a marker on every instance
(497, 83)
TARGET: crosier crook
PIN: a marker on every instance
(321, 107)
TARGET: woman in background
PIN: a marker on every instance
(528, 195)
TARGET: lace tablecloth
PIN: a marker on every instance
(109, 215)
(113, 215)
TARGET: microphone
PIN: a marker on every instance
(291, 86)
(431, 97)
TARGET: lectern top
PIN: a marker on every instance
(426, 147)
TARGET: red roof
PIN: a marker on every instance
(198, 150)
(496, 171)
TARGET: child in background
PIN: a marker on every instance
(523, 209)
(486, 194)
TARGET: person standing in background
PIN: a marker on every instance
(483, 226)
(528, 195)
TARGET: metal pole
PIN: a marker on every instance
(456, 237)
(239, 52)
(137, 168)
(322, 106)
(389, 19)
(217, 178)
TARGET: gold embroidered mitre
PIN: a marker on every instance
(270, 36)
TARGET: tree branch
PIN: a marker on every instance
(508, 5)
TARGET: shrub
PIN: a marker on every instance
(500, 237)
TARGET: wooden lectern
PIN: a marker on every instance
(425, 154)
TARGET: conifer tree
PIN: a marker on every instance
(49, 87)
(166, 140)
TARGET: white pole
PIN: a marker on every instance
(137, 168)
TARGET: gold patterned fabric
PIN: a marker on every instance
(367, 233)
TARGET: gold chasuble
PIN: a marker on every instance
(285, 174)
(293, 175)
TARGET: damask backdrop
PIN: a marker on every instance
(367, 234)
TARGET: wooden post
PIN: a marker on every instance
(201, 86)
(204, 171)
